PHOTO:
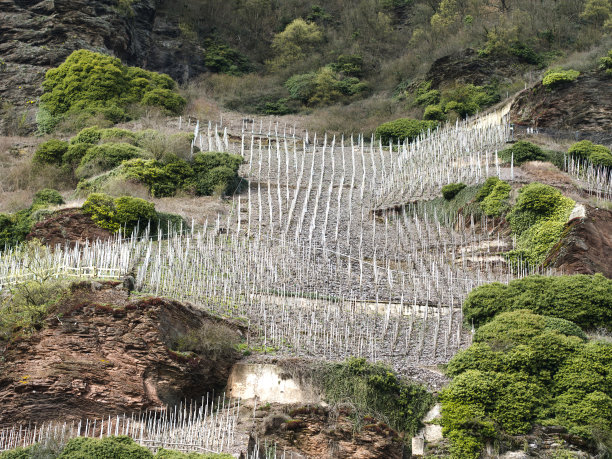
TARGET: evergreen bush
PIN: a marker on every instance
(106, 156)
(522, 151)
(403, 129)
(584, 300)
(50, 152)
(495, 204)
(451, 190)
(91, 82)
(556, 78)
(47, 197)
(599, 155)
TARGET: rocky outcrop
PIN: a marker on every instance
(66, 227)
(586, 245)
(101, 353)
(582, 109)
(312, 431)
(36, 35)
(468, 66)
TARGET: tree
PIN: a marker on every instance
(295, 42)
(597, 11)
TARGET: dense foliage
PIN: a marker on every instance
(223, 59)
(585, 300)
(121, 213)
(375, 390)
(556, 78)
(323, 87)
(521, 152)
(525, 369)
(403, 129)
(93, 83)
(599, 155)
(15, 227)
(494, 196)
(451, 190)
(119, 447)
(538, 219)
(605, 63)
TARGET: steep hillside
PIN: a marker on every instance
(37, 35)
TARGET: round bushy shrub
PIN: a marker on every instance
(75, 153)
(556, 78)
(599, 155)
(486, 188)
(106, 156)
(403, 129)
(171, 102)
(90, 82)
(91, 135)
(451, 190)
(535, 201)
(130, 212)
(101, 208)
(495, 204)
(522, 151)
(217, 180)
(109, 447)
(51, 152)
(47, 197)
(434, 112)
(584, 300)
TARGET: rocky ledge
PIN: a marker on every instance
(103, 353)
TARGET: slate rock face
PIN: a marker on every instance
(583, 106)
(102, 353)
(36, 35)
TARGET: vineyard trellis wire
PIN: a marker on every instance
(205, 426)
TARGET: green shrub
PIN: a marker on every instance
(153, 174)
(75, 153)
(170, 101)
(91, 135)
(431, 97)
(434, 112)
(555, 78)
(605, 63)
(165, 223)
(51, 152)
(109, 448)
(375, 390)
(599, 155)
(403, 129)
(116, 134)
(101, 208)
(130, 212)
(486, 188)
(535, 201)
(323, 87)
(522, 151)
(47, 197)
(218, 180)
(584, 300)
(466, 100)
(221, 58)
(93, 83)
(350, 65)
(104, 157)
(451, 190)
(495, 204)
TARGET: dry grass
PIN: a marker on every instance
(20, 179)
(199, 209)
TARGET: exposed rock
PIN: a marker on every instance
(317, 432)
(586, 245)
(468, 67)
(36, 35)
(582, 108)
(102, 354)
(66, 227)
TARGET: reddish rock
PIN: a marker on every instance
(102, 354)
(315, 431)
(586, 246)
(583, 105)
(68, 226)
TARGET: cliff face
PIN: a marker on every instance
(101, 353)
(38, 34)
(584, 105)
